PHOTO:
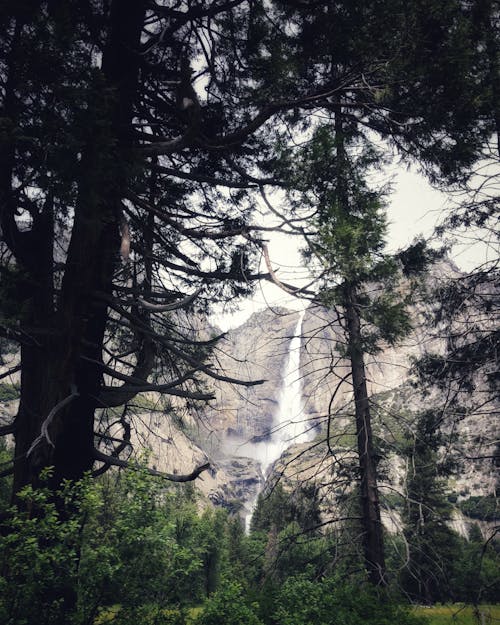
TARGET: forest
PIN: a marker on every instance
(149, 152)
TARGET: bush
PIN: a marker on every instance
(484, 508)
(149, 614)
(40, 548)
(330, 602)
(8, 392)
(228, 607)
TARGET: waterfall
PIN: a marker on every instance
(290, 425)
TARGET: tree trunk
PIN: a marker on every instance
(61, 372)
(373, 543)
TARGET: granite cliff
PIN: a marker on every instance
(181, 436)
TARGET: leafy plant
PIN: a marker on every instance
(228, 606)
(484, 508)
(40, 554)
(331, 602)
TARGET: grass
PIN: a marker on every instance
(460, 614)
(193, 613)
(454, 614)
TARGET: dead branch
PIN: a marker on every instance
(118, 462)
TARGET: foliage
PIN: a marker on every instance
(123, 540)
(160, 549)
(112, 233)
(149, 614)
(96, 145)
(126, 549)
(476, 567)
(8, 392)
(277, 508)
(40, 546)
(333, 602)
(432, 545)
(459, 614)
(228, 606)
(6, 459)
(288, 525)
(483, 507)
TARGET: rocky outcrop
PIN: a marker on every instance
(254, 351)
(258, 349)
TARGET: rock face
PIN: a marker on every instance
(170, 450)
(325, 371)
(258, 350)
(242, 415)
(254, 351)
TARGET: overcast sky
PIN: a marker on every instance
(415, 209)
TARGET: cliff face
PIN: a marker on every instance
(254, 351)
(258, 349)
(228, 431)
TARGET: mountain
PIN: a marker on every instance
(242, 417)
(235, 430)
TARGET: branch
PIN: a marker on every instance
(7, 472)
(197, 365)
(7, 429)
(172, 477)
(10, 372)
(196, 177)
(167, 146)
(116, 396)
(253, 179)
(44, 430)
(274, 277)
(182, 303)
(122, 444)
(197, 12)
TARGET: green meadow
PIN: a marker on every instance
(460, 614)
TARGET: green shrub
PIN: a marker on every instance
(484, 508)
(149, 614)
(228, 607)
(8, 392)
(330, 602)
(39, 556)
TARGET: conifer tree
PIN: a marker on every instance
(359, 280)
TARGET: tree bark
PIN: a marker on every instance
(373, 543)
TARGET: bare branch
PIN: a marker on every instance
(118, 462)
(182, 303)
(10, 372)
(7, 429)
(44, 433)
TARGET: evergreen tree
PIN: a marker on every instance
(122, 202)
(380, 66)
(109, 147)
(432, 546)
(358, 278)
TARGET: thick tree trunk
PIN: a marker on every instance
(94, 248)
(493, 64)
(61, 372)
(373, 543)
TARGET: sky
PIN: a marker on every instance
(415, 208)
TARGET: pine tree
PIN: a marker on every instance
(432, 545)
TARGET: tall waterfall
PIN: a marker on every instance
(290, 424)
